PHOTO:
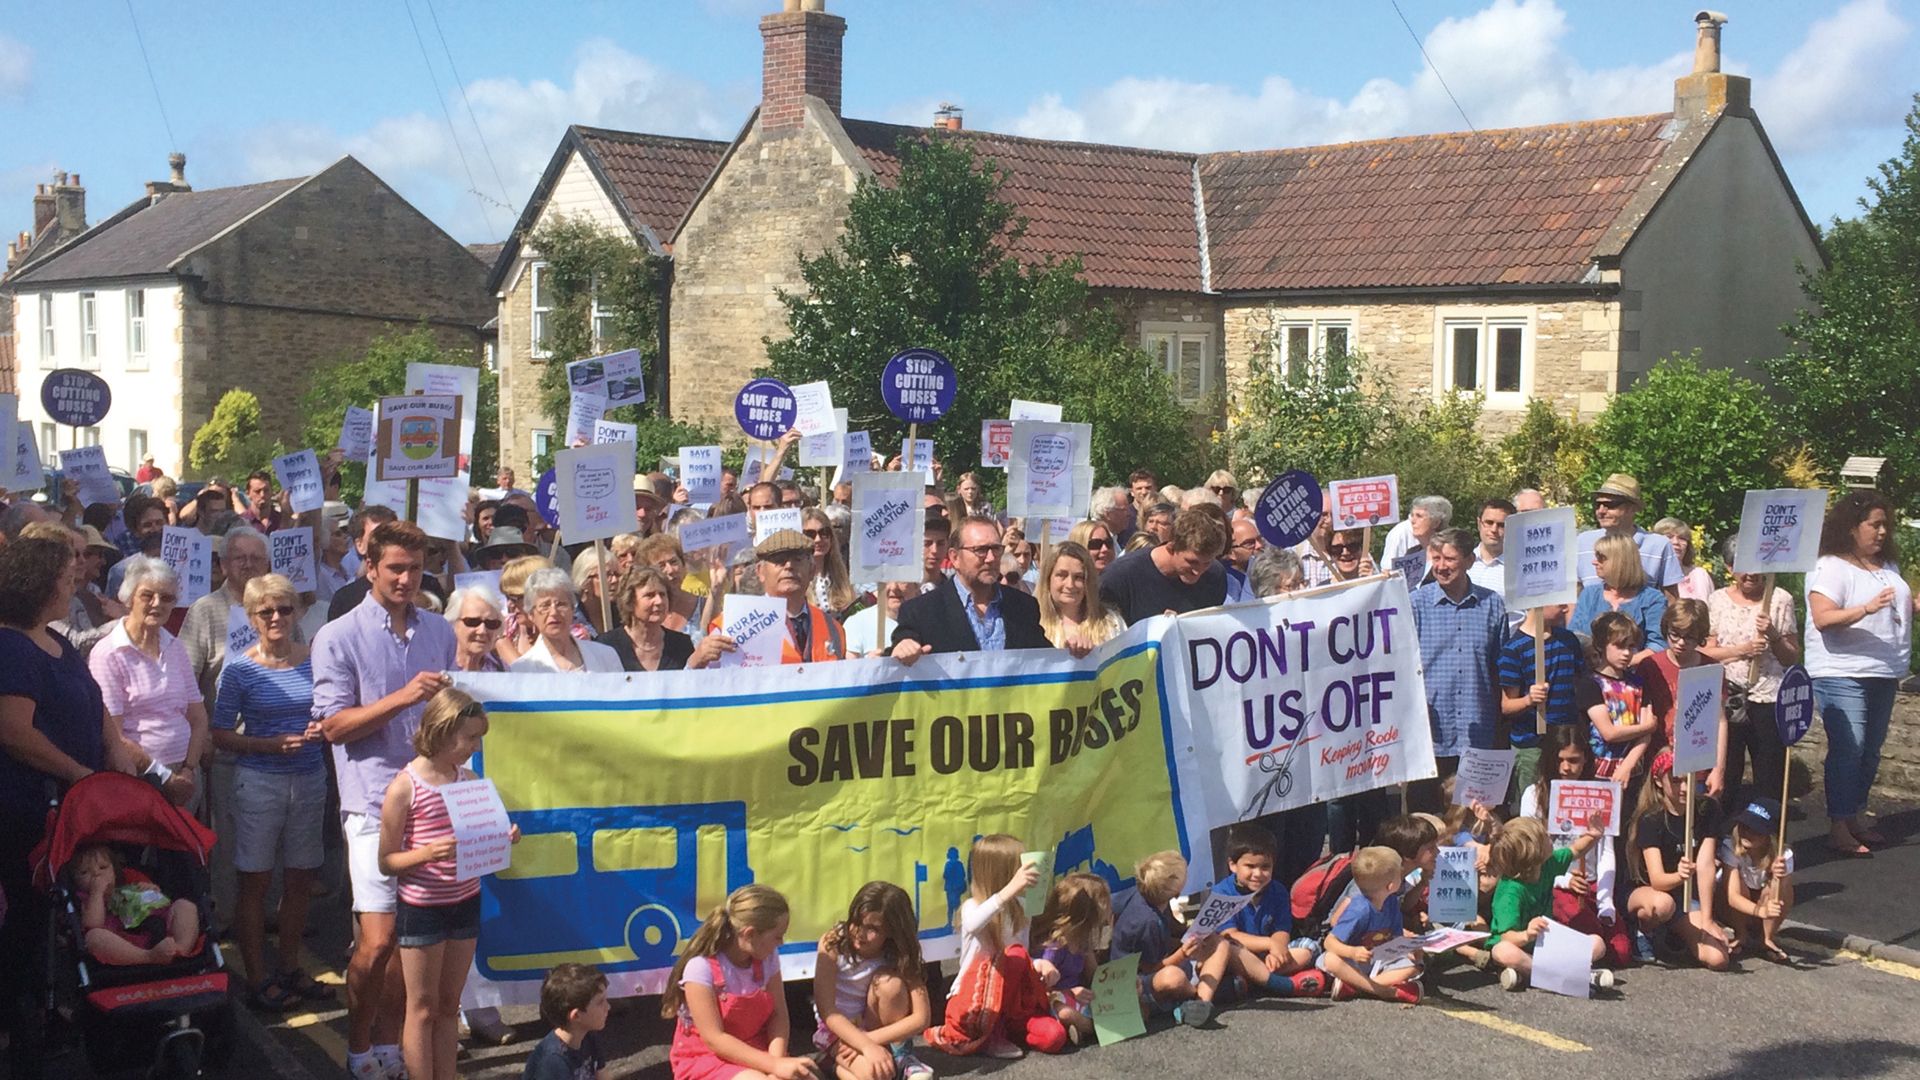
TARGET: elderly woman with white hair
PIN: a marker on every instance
(148, 683)
(549, 599)
(476, 613)
(1430, 514)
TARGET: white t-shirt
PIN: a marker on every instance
(1751, 876)
(860, 634)
(1599, 859)
(850, 987)
(740, 980)
(1399, 542)
(1877, 645)
(974, 915)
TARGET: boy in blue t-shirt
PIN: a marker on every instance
(573, 1002)
(1566, 663)
(1360, 923)
(1176, 975)
(1260, 935)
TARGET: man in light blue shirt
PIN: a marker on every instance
(1614, 507)
(1462, 627)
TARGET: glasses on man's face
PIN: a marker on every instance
(475, 622)
(1252, 544)
(1606, 504)
(984, 551)
(265, 614)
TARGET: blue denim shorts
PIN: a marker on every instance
(418, 927)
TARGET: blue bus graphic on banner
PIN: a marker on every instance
(622, 888)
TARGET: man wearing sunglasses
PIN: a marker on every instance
(1615, 504)
(973, 612)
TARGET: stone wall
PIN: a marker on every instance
(1574, 344)
(1899, 759)
(777, 198)
(519, 370)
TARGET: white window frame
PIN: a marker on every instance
(595, 314)
(46, 330)
(49, 444)
(136, 449)
(537, 325)
(1489, 321)
(539, 444)
(136, 329)
(1317, 328)
(89, 330)
(1174, 335)
(89, 436)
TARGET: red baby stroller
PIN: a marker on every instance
(170, 1020)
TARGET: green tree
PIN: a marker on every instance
(1435, 447)
(1849, 385)
(1547, 452)
(926, 263)
(381, 371)
(1320, 417)
(1696, 440)
(230, 444)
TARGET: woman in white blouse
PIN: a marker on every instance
(1859, 615)
(549, 600)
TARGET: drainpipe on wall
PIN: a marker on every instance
(663, 359)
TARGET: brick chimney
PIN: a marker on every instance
(17, 250)
(63, 201)
(801, 58)
(1708, 91)
(948, 118)
(177, 181)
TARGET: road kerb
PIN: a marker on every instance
(1854, 943)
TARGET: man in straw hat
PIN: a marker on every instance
(784, 563)
(649, 506)
(1614, 505)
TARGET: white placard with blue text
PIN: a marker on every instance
(595, 489)
(1453, 897)
(299, 474)
(1780, 531)
(888, 527)
(1696, 718)
(1539, 559)
(87, 465)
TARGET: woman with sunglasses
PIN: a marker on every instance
(279, 791)
(1097, 538)
(833, 593)
(1347, 556)
(477, 619)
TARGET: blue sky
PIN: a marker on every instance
(261, 89)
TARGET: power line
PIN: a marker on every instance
(1418, 44)
(472, 185)
(172, 143)
(461, 83)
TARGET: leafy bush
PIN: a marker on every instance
(1435, 448)
(1316, 422)
(230, 444)
(1696, 440)
(1548, 452)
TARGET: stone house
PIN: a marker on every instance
(184, 295)
(1555, 262)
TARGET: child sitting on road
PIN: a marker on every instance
(1417, 842)
(573, 1002)
(998, 1004)
(127, 918)
(1364, 921)
(726, 996)
(1583, 896)
(1527, 863)
(1179, 978)
(1758, 887)
(870, 988)
(1265, 953)
(1070, 931)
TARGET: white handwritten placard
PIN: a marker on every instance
(442, 499)
(1483, 777)
(487, 581)
(1454, 894)
(922, 459)
(595, 488)
(292, 557)
(613, 431)
(1539, 559)
(826, 447)
(583, 412)
(299, 474)
(1050, 473)
(859, 453)
(1571, 803)
(482, 833)
(87, 465)
(996, 443)
(356, 433)
(758, 627)
(27, 475)
(814, 413)
(727, 530)
(768, 522)
(241, 635)
(1115, 1010)
(888, 526)
(191, 556)
(700, 473)
(1780, 531)
(1696, 719)
(1033, 410)
(1216, 911)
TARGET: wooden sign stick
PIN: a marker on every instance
(606, 586)
(1686, 903)
(1540, 666)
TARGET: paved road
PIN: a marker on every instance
(1873, 898)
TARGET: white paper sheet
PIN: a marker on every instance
(482, 833)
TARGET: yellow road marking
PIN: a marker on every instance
(317, 1028)
(1888, 966)
(1518, 1031)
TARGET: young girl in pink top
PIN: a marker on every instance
(438, 921)
(726, 995)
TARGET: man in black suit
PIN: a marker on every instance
(970, 613)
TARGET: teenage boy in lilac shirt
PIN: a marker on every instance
(374, 669)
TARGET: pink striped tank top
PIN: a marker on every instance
(430, 884)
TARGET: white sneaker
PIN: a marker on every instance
(365, 1067)
(998, 1047)
(392, 1065)
(1602, 979)
(1512, 980)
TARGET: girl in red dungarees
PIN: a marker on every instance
(726, 994)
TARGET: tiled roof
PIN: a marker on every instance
(1516, 206)
(486, 253)
(148, 239)
(1127, 213)
(656, 176)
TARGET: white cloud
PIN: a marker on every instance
(16, 67)
(1849, 75)
(523, 122)
(1508, 65)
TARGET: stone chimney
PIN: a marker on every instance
(17, 250)
(68, 201)
(43, 212)
(948, 118)
(1709, 92)
(176, 181)
(801, 58)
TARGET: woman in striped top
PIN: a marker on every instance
(439, 918)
